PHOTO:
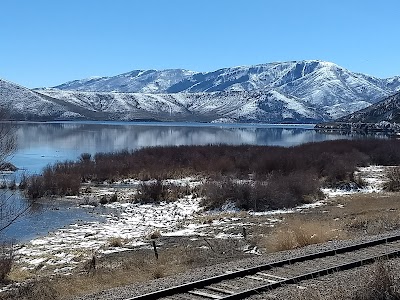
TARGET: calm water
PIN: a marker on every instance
(42, 143)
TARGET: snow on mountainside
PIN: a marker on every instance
(336, 90)
(234, 106)
(386, 110)
(296, 91)
(24, 104)
(138, 81)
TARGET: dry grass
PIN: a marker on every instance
(367, 213)
(137, 266)
(127, 269)
(18, 274)
(35, 290)
(115, 242)
(296, 233)
(374, 224)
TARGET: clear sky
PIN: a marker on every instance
(49, 42)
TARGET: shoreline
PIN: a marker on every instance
(385, 128)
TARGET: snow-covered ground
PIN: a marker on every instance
(374, 178)
(132, 223)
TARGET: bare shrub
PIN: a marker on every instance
(218, 193)
(55, 180)
(3, 185)
(103, 199)
(22, 182)
(12, 185)
(277, 191)
(152, 192)
(154, 234)
(115, 242)
(379, 284)
(158, 272)
(175, 191)
(114, 198)
(331, 162)
(393, 185)
(85, 157)
(35, 187)
(6, 261)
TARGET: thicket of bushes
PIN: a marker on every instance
(393, 185)
(277, 191)
(285, 175)
(157, 191)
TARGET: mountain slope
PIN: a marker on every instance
(335, 89)
(232, 106)
(24, 104)
(385, 110)
(138, 81)
(302, 91)
(203, 107)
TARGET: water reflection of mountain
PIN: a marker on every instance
(101, 137)
(42, 143)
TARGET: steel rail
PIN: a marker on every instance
(311, 275)
(253, 270)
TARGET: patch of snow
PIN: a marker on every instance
(374, 177)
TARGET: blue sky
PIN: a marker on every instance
(48, 42)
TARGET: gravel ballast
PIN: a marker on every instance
(329, 282)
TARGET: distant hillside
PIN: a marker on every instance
(383, 116)
(308, 91)
(385, 110)
(225, 106)
(25, 104)
(334, 89)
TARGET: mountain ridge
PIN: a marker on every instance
(326, 84)
(295, 91)
(225, 106)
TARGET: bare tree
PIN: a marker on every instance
(10, 210)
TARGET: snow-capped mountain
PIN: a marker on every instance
(334, 89)
(24, 104)
(232, 106)
(302, 91)
(386, 110)
(138, 81)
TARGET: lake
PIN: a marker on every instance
(40, 144)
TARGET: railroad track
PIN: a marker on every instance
(243, 283)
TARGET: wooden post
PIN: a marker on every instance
(92, 264)
(155, 249)
(244, 233)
